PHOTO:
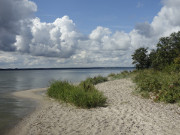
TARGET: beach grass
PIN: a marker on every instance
(84, 95)
(95, 80)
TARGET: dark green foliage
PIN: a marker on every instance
(141, 59)
(152, 59)
(164, 86)
(168, 49)
(167, 53)
(177, 60)
(146, 80)
(84, 95)
(173, 68)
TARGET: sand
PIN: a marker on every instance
(126, 114)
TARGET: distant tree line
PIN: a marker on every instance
(167, 53)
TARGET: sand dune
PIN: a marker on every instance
(126, 114)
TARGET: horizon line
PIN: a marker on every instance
(61, 68)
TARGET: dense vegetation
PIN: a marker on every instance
(84, 95)
(159, 85)
(158, 73)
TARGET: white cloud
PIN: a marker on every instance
(168, 19)
(60, 43)
(12, 13)
(57, 39)
(99, 33)
(166, 22)
(118, 41)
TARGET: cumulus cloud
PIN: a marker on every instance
(168, 19)
(103, 38)
(57, 39)
(61, 43)
(99, 33)
(144, 29)
(166, 22)
(22, 33)
(12, 13)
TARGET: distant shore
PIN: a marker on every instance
(66, 68)
(125, 114)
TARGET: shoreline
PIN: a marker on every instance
(125, 114)
(37, 96)
(30, 94)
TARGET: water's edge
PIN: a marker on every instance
(14, 109)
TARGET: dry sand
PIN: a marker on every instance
(126, 114)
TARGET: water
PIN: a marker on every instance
(13, 109)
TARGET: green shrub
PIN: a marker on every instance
(147, 81)
(172, 68)
(77, 95)
(177, 60)
(165, 86)
(95, 80)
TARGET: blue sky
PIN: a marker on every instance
(82, 33)
(88, 14)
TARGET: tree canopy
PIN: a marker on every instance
(141, 58)
(167, 53)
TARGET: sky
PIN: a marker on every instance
(81, 33)
(88, 14)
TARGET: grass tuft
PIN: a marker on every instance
(84, 95)
(95, 80)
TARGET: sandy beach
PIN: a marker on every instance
(126, 114)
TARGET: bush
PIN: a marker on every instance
(77, 95)
(147, 81)
(164, 86)
(172, 68)
(95, 80)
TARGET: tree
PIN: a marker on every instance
(167, 53)
(141, 59)
(168, 48)
(152, 57)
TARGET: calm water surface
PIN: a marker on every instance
(13, 109)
